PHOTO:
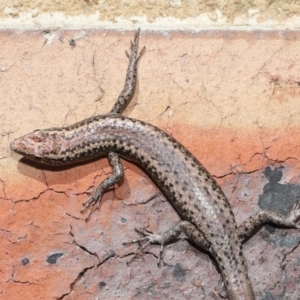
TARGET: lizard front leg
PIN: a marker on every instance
(113, 178)
(118, 108)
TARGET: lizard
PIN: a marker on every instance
(207, 217)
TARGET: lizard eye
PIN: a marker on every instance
(39, 136)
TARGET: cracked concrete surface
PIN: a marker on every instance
(230, 97)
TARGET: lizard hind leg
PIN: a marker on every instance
(149, 237)
(246, 229)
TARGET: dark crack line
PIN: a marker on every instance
(38, 196)
(109, 255)
(82, 273)
(283, 265)
(3, 188)
(224, 175)
(74, 217)
(24, 282)
(78, 278)
(282, 161)
(143, 202)
(31, 199)
(45, 178)
(82, 247)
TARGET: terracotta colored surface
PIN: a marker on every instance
(231, 98)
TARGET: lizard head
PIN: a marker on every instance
(40, 146)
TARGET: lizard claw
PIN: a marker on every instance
(91, 202)
(149, 237)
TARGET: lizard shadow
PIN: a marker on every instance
(69, 176)
(70, 172)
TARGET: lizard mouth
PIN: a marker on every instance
(21, 146)
(18, 146)
(12, 146)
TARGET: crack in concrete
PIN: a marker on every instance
(283, 265)
(266, 62)
(16, 202)
(16, 241)
(24, 282)
(31, 199)
(74, 217)
(82, 273)
(109, 255)
(3, 188)
(142, 202)
(77, 279)
(102, 92)
(81, 246)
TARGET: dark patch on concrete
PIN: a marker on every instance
(281, 240)
(25, 261)
(288, 241)
(179, 273)
(278, 197)
(152, 288)
(165, 285)
(72, 42)
(52, 259)
(102, 284)
(269, 296)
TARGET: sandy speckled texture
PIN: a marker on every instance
(279, 10)
(230, 97)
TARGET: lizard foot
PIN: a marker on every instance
(93, 201)
(149, 238)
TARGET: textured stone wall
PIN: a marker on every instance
(178, 14)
